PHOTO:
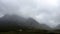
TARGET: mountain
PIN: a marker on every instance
(15, 22)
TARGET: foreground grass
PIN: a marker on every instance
(31, 32)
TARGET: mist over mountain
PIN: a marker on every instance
(57, 27)
(29, 13)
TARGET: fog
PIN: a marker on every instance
(44, 11)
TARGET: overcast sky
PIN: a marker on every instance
(44, 11)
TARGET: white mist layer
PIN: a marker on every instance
(44, 11)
